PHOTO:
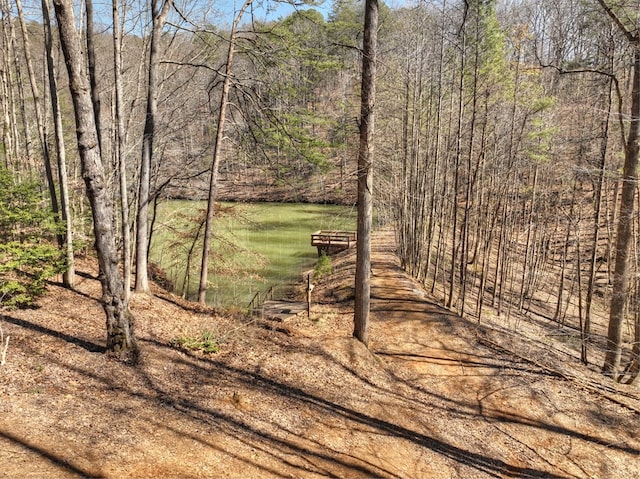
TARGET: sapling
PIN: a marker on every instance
(4, 342)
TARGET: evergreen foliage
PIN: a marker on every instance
(28, 256)
(298, 65)
(324, 267)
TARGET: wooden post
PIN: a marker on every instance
(309, 289)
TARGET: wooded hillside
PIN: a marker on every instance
(506, 139)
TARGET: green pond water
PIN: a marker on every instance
(256, 245)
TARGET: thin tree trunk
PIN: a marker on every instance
(91, 63)
(456, 177)
(529, 244)
(40, 119)
(68, 277)
(120, 150)
(7, 139)
(581, 319)
(29, 165)
(611, 366)
(433, 200)
(142, 221)
(598, 194)
(10, 136)
(217, 155)
(565, 253)
(187, 271)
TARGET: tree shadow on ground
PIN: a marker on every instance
(321, 407)
(64, 464)
(292, 448)
(84, 344)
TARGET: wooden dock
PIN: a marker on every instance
(329, 241)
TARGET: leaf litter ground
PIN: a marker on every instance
(434, 395)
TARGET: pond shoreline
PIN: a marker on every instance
(313, 190)
(257, 245)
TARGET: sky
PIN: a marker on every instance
(220, 12)
(272, 10)
(213, 12)
(265, 9)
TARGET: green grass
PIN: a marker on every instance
(324, 266)
(206, 342)
(256, 246)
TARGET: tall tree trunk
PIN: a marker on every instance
(597, 200)
(119, 148)
(624, 239)
(142, 223)
(68, 277)
(455, 244)
(470, 180)
(29, 164)
(120, 338)
(217, 154)
(91, 63)
(40, 119)
(9, 136)
(434, 201)
(365, 173)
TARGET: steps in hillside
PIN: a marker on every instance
(279, 310)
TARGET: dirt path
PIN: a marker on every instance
(492, 413)
(297, 398)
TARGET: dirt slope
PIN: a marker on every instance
(433, 397)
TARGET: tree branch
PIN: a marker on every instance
(633, 38)
(609, 75)
(191, 64)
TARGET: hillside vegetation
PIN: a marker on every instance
(504, 140)
(505, 300)
(434, 396)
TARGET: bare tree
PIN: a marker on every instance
(215, 164)
(120, 338)
(9, 130)
(365, 174)
(40, 118)
(119, 147)
(159, 16)
(68, 277)
(624, 239)
(91, 66)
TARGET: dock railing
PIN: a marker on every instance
(332, 241)
(255, 305)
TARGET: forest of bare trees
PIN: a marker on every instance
(506, 140)
(515, 165)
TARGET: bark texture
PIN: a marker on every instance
(142, 233)
(624, 236)
(120, 338)
(365, 174)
